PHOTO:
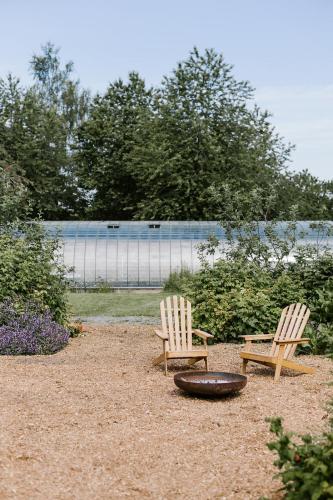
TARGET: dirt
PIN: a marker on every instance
(98, 421)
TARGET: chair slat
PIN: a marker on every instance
(279, 329)
(286, 324)
(170, 324)
(176, 320)
(282, 328)
(291, 325)
(293, 322)
(189, 325)
(183, 323)
(298, 330)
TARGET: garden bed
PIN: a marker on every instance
(97, 420)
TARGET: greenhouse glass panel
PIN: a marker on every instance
(142, 253)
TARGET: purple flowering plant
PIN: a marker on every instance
(27, 329)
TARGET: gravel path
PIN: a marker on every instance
(98, 421)
(117, 320)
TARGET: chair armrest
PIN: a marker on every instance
(293, 341)
(161, 335)
(261, 336)
(202, 334)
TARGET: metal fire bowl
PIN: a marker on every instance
(210, 383)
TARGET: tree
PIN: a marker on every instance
(34, 139)
(207, 137)
(14, 201)
(312, 198)
(37, 127)
(170, 153)
(104, 143)
(57, 87)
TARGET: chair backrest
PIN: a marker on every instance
(291, 326)
(176, 320)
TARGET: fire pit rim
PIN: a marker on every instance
(208, 383)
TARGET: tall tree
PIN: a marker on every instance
(104, 143)
(58, 88)
(206, 136)
(37, 126)
(311, 197)
(172, 152)
(14, 201)
(34, 138)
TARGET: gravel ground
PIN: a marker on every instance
(111, 320)
(98, 421)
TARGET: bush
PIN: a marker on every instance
(244, 292)
(320, 300)
(29, 331)
(236, 298)
(321, 340)
(30, 269)
(175, 282)
(306, 464)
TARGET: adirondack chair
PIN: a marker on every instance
(176, 333)
(288, 335)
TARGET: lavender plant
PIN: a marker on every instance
(29, 330)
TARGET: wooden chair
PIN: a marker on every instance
(176, 333)
(288, 335)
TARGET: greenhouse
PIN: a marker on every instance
(137, 254)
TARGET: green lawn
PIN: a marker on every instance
(122, 303)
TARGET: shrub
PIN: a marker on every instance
(321, 340)
(30, 269)
(244, 292)
(29, 331)
(236, 298)
(306, 464)
(176, 281)
(321, 330)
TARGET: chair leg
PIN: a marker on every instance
(165, 363)
(206, 364)
(244, 365)
(279, 362)
(277, 372)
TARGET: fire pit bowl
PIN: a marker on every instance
(210, 383)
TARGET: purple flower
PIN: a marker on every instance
(29, 331)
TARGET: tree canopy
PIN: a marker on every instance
(195, 147)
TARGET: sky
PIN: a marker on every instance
(284, 48)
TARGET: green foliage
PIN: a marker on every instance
(13, 194)
(37, 125)
(321, 339)
(306, 463)
(184, 149)
(316, 275)
(30, 270)
(264, 268)
(312, 197)
(57, 88)
(103, 143)
(175, 281)
(233, 298)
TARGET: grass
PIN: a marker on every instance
(122, 303)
